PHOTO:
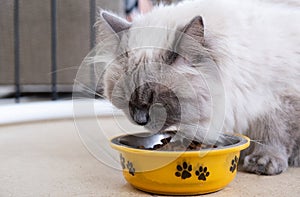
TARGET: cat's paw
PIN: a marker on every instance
(265, 164)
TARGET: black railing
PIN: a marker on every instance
(53, 51)
(17, 50)
(54, 90)
(92, 38)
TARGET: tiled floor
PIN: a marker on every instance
(49, 159)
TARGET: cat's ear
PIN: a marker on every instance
(194, 29)
(190, 38)
(116, 23)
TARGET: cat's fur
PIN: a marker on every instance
(236, 69)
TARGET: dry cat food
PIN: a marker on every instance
(184, 145)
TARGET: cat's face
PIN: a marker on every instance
(158, 86)
(148, 94)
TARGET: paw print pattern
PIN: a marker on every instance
(202, 173)
(130, 168)
(234, 163)
(129, 165)
(183, 170)
(122, 161)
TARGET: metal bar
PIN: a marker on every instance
(92, 41)
(53, 51)
(92, 22)
(17, 51)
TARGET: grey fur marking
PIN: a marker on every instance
(279, 132)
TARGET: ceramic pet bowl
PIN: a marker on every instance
(178, 172)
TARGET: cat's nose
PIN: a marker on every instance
(141, 117)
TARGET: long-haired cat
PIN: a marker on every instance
(208, 67)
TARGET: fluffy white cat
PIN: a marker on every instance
(208, 67)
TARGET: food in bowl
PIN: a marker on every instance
(178, 172)
(179, 145)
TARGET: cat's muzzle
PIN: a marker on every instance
(141, 117)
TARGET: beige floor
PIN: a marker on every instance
(49, 159)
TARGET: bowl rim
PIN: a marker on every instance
(241, 145)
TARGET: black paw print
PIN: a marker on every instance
(184, 171)
(130, 168)
(234, 163)
(122, 161)
(202, 173)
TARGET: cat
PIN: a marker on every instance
(209, 67)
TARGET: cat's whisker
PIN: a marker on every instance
(63, 69)
(92, 92)
(87, 89)
(257, 142)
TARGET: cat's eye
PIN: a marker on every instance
(170, 57)
(125, 54)
(151, 97)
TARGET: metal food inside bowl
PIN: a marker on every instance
(178, 172)
(149, 140)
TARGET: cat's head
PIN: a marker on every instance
(157, 74)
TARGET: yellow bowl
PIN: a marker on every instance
(178, 172)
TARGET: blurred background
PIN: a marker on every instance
(43, 42)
